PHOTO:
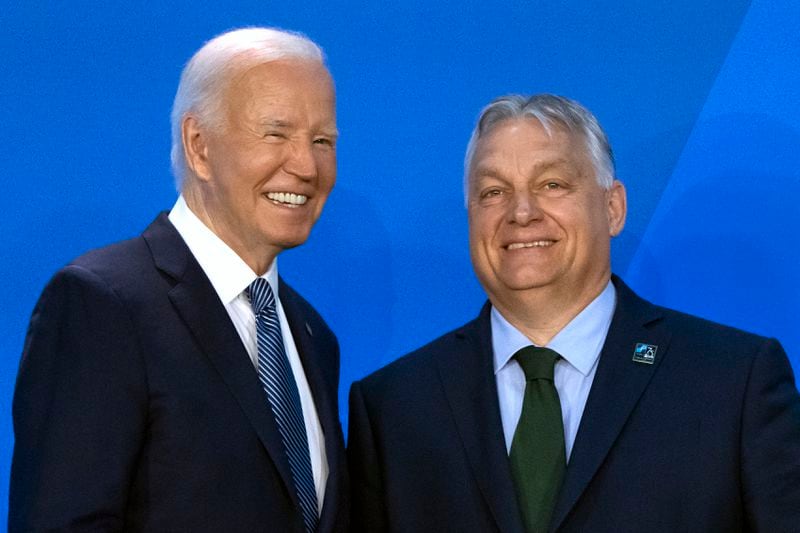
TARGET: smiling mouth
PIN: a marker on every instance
(532, 244)
(287, 199)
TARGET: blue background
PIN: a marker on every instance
(700, 100)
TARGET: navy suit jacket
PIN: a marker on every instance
(137, 407)
(706, 438)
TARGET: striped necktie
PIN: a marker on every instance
(278, 382)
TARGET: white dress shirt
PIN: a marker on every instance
(230, 276)
(578, 344)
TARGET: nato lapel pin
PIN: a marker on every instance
(645, 353)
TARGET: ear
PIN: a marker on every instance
(617, 205)
(195, 147)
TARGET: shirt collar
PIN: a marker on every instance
(227, 272)
(579, 342)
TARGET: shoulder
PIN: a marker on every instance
(101, 267)
(118, 271)
(705, 333)
(90, 295)
(713, 349)
(700, 338)
(734, 357)
(718, 360)
(123, 272)
(114, 261)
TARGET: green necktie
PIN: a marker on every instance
(538, 457)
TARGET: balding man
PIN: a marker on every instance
(570, 404)
(174, 382)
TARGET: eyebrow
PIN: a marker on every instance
(285, 124)
(538, 168)
(276, 123)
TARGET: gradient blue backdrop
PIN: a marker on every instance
(700, 100)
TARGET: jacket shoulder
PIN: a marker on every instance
(113, 259)
(700, 338)
(711, 336)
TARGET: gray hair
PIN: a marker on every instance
(550, 110)
(206, 75)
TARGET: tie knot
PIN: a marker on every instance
(537, 363)
(261, 296)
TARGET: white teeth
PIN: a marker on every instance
(534, 244)
(288, 198)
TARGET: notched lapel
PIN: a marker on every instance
(204, 315)
(618, 384)
(467, 376)
(321, 378)
(322, 375)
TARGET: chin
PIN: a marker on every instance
(289, 241)
(525, 280)
(525, 285)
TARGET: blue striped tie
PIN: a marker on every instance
(278, 382)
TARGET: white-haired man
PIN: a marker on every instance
(570, 404)
(174, 382)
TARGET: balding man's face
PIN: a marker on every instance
(266, 174)
(538, 219)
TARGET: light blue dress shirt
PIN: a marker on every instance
(579, 345)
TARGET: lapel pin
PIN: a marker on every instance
(308, 329)
(645, 353)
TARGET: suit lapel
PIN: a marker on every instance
(198, 305)
(618, 384)
(467, 377)
(320, 364)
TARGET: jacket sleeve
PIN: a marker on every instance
(79, 409)
(771, 443)
(368, 512)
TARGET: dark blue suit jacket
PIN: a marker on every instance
(707, 438)
(137, 407)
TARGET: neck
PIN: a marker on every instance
(541, 313)
(254, 255)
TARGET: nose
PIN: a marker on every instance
(524, 208)
(300, 160)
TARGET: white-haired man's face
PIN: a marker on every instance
(265, 175)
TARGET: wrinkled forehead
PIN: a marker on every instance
(307, 73)
(520, 136)
(304, 86)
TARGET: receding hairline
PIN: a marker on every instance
(551, 130)
(539, 167)
(240, 66)
(237, 79)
